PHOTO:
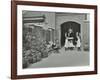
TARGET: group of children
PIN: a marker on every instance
(72, 40)
(53, 46)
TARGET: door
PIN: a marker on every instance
(64, 28)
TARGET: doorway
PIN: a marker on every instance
(64, 28)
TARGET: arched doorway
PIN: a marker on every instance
(64, 28)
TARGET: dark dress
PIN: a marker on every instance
(70, 35)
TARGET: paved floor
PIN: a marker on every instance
(64, 58)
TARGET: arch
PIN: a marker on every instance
(64, 28)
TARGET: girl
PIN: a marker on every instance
(70, 37)
(66, 42)
(78, 42)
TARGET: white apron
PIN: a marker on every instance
(66, 43)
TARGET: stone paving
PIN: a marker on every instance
(63, 59)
